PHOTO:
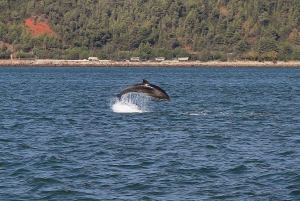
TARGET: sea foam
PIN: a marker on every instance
(131, 103)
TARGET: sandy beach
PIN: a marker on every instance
(108, 63)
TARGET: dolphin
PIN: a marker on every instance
(146, 88)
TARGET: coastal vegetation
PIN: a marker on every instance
(259, 30)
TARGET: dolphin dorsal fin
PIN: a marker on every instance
(145, 81)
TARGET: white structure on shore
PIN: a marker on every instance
(93, 59)
(160, 58)
(135, 59)
(183, 58)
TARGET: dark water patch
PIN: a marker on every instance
(60, 193)
(101, 153)
(223, 197)
(126, 166)
(295, 192)
(24, 146)
(202, 170)
(210, 146)
(147, 163)
(238, 169)
(3, 140)
(286, 153)
(41, 181)
(19, 172)
(296, 178)
(137, 186)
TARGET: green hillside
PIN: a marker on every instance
(118, 29)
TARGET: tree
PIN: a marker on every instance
(17, 47)
(266, 45)
(26, 47)
(242, 46)
(272, 55)
(145, 50)
(73, 54)
(4, 47)
(5, 55)
(205, 55)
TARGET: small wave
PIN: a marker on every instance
(238, 169)
(120, 107)
(194, 114)
(198, 113)
(131, 103)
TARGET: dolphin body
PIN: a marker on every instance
(146, 88)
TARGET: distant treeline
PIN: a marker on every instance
(118, 29)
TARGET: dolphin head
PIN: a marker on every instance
(158, 92)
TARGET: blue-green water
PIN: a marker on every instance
(227, 134)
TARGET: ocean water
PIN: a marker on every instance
(227, 134)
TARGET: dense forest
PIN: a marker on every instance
(118, 29)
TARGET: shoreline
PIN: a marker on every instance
(107, 63)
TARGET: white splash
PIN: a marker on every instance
(131, 103)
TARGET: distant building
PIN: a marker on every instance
(93, 59)
(159, 59)
(135, 59)
(183, 58)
